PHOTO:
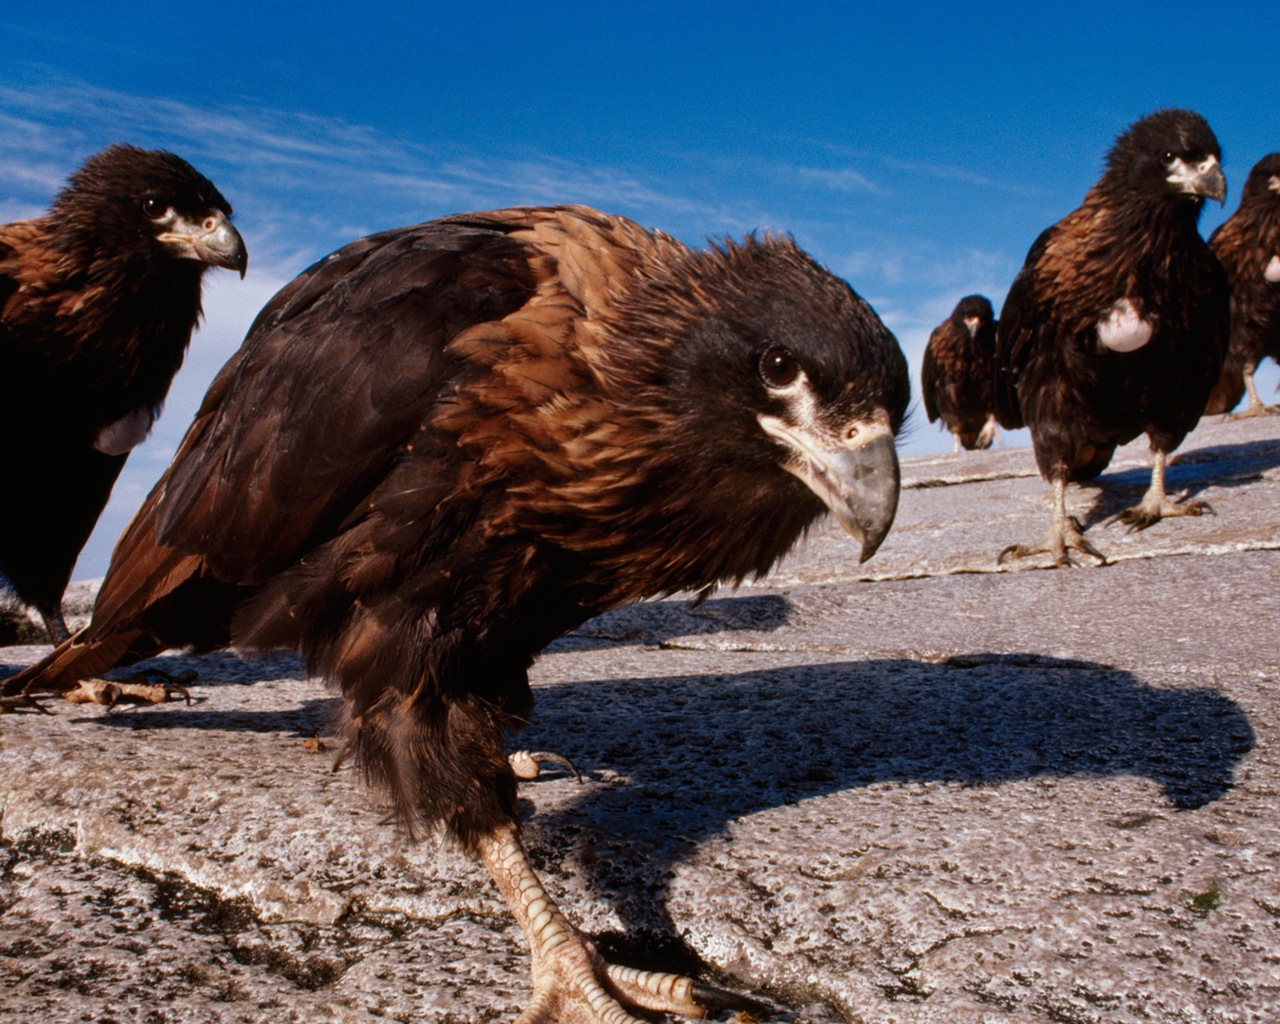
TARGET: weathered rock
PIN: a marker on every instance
(22, 625)
(916, 791)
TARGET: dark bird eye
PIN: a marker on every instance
(1168, 156)
(153, 207)
(778, 367)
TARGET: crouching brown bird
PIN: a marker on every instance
(1248, 244)
(958, 376)
(1117, 323)
(97, 303)
(445, 445)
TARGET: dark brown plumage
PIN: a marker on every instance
(1248, 245)
(1117, 323)
(445, 445)
(958, 376)
(97, 303)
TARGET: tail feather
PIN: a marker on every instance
(76, 658)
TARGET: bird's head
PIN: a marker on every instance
(145, 203)
(1170, 153)
(1263, 183)
(779, 373)
(974, 311)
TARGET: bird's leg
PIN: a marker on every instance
(1256, 405)
(55, 625)
(572, 983)
(1155, 505)
(988, 435)
(1064, 534)
(955, 444)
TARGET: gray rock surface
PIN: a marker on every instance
(915, 791)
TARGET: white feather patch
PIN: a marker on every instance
(1272, 273)
(1122, 330)
(124, 434)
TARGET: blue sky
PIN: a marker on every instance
(916, 149)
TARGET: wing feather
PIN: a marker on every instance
(334, 378)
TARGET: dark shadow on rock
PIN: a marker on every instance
(653, 623)
(310, 718)
(217, 668)
(700, 752)
(1188, 474)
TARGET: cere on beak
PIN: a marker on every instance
(854, 473)
(213, 240)
(1204, 178)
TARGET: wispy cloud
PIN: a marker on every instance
(842, 179)
(948, 172)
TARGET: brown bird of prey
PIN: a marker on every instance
(445, 445)
(1248, 244)
(1117, 323)
(958, 377)
(98, 299)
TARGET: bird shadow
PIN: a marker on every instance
(215, 668)
(716, 748)
(1188, 474)
(307, 719)
(654, 623)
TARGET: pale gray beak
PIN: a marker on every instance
(854, 473)
(1203, 179)
(213, 240)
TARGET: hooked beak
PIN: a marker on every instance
(854, 473)
(213, 240)
(1204, 179)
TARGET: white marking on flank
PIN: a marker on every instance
(124, 434)
(1122, 330)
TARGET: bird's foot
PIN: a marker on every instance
(1146, 514)
(1254, 409)
(22, 702)
(572, 982)
(135, 689)
(1064, 536)
(575, 983)
(527, 764)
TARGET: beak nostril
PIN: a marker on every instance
(210, 223)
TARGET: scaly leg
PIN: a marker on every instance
(1256, 406)
(572, 983)
(1155, 505)
(1064, 534)
(988, 435)
(55, 625)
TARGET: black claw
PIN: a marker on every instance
(548, 757)
(1013, 550)
(722, 999)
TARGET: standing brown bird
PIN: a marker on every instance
(97, 303)
(1117, 323)
(1248, 244)
(958, 377)
(445, 445)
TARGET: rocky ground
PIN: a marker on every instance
(916, 791)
